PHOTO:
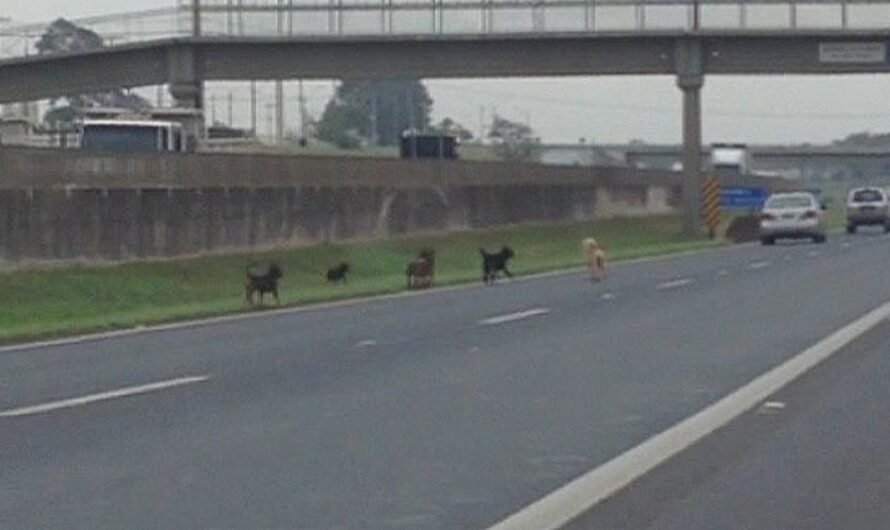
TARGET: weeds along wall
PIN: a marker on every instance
(70, 205)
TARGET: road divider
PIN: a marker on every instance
(102, 396)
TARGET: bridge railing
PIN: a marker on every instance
(336, 18)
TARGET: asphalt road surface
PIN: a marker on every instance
(448, 410)
(816, 456)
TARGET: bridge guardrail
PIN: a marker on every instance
(336, 18)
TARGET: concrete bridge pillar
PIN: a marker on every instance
(186, 85)
(690, 80)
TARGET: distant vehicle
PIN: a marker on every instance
(416, 145)
(792, 216)
(868, 207)
(730, 157)
(132, 136)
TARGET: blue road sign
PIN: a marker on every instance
(742, 196)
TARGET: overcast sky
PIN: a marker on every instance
(606, 109)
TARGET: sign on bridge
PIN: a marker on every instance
(853, 52)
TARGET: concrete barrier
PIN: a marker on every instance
(69, 205)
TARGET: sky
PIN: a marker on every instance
(751, 109)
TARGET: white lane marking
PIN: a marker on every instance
(812, 254)
(579, 496)
(512, 317)
(608, 296)
(366, 344)
(758, 265)
(674, 284)
(723, 272)
(846, 244)
(786, 258)
(102, 396)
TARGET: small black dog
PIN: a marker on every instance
(494, 263)
(338, 273)
(266, 283)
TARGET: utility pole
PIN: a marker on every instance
(304, 134)
(231, 109)
(279, 111)
(375, 138)
(253, 109)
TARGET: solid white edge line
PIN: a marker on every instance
(512, 317)
(102, 396)
(209, 321)
(579, 496)
(759, 265)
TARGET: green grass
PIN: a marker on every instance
(57, 301)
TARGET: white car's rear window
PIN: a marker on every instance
(868, 196)
(789, 202)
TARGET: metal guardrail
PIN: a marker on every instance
(337, 18)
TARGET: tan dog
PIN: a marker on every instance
(594, 259)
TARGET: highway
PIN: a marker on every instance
(451, 409)
(815, 456)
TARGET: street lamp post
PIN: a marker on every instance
(196, 18)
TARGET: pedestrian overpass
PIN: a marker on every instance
(212, 40)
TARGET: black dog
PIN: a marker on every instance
(338, 273)
(420, 272)
(266, 283)
(494, 263)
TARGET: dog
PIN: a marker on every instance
(338, 273)
(594, 259)
(493, 263)
(262, 284)
(421, 271)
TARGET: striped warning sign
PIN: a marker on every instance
(710, 196)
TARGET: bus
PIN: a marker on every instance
(132, 136)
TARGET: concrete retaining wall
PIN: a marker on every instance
(58, 205)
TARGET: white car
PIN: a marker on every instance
(792, 216)
(867, 207)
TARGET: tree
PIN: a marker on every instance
(388, 106)
(451, 128)
(513, 140)
(343, 124)
(63, 36)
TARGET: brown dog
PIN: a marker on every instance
(420, 272)
(594, 259)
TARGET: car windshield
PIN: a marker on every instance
(868, 196)
(779, 203)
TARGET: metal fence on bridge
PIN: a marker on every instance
(336, 18)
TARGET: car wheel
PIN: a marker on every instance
(820, 238)
(767, 241)
(887, 228)
(851, 229)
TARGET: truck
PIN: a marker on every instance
(730, 158)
